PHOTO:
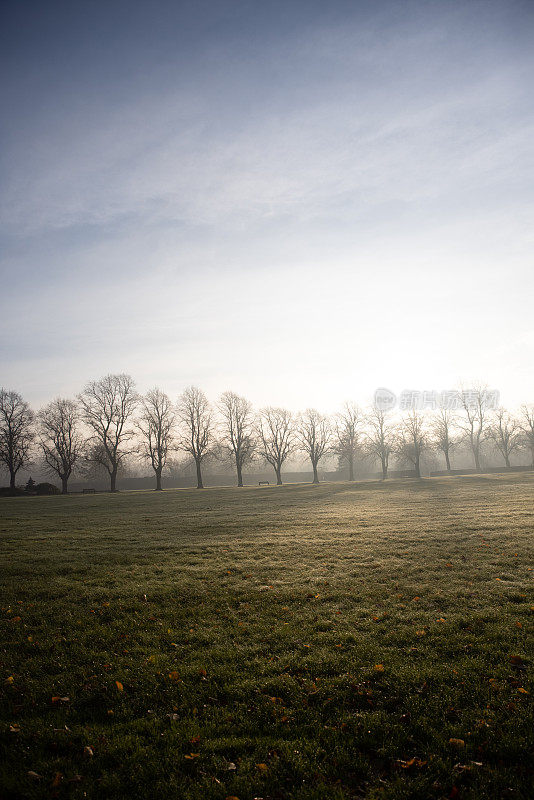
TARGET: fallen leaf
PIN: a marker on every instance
(262, 767)
(34, 775)
(58, 777)
(88, 751)
(174, 676)
(517, 661)
(523, 691)
(14, 728)
(192, 755)
(379, 668)
(9, 680)
(119, 686)
(459, 743)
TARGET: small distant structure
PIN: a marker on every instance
(263, 483)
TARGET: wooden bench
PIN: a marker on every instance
(88, 491)
(263, 483)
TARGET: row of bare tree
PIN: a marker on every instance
(109, 421)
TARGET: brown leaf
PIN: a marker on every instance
(119, 686)
(459, 743)
(58, 777)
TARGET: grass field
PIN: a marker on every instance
(341, 641)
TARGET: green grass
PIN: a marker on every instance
(280, 642)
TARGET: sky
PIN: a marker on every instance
(298, 201)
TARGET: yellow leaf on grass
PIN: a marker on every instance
(10, 679)
(174, 676)
(379, 668)
(523, 691)
(119, 686)
(262, 767)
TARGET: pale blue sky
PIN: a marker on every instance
(297, 202)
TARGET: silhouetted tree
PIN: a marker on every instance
(411, 439)
(107, 406)
(196, 417)
(442, 431)
(526, 424)
(505, 434)
(275, 437)
(474, 419)
(237, 430)
(380, 438)
(156, 425)
(60, 438)
(346, 435)
(16, 433)
(313, 434)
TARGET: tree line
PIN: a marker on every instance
(110, 421)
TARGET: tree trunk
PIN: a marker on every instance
(351, 468)
(384, 470)
(64, 481)
(417, 468)
(278, 471)
(477, 460)
(447, 461)
(113, 478)
(506, 458)
(158, 479)
(315, 475)
(239, 475)
(200, 485)
(12, 479)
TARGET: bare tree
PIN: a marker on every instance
(442, 431)
(155, 424)
(474, 420)
(380, 437)
(314, 435)
(107, 406)
(346, 435)
(60, 438)
(526, 424)
(275, 437)
(195, 414)
(237, 430)
(16, 433)
(505, 434)
(412, 439)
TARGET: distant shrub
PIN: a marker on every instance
(6, 491)
(46, 488)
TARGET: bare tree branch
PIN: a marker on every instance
(196, 417)
(155, 425)
(274, 428)
(16, 433)
(60, 438)
(380, 438)
(346, 435)
(107, 406)
(237, 430)
(314, 436)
